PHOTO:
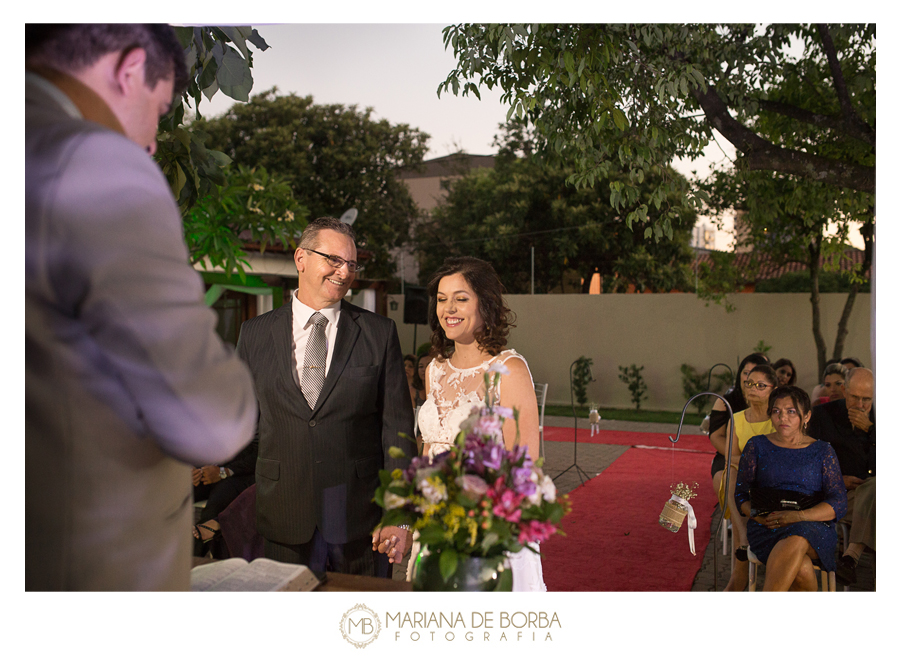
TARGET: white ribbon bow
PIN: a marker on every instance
(692, 520)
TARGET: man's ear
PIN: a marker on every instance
(130, 70)
(298, 259)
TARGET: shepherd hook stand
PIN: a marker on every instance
(581, 474)
(727, 469)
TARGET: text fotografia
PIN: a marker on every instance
(483, 626)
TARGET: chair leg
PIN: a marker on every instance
(752, 584)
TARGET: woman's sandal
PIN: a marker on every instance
(199, 535)
(740, 554)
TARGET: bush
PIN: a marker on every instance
(635, 380)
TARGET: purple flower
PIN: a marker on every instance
(499, 367)
(492, 456)
(522, 481)
(489, 426)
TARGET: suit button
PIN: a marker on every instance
(312, 423)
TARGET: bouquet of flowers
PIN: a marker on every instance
(477, 499)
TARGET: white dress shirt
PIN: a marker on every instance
(302, 329)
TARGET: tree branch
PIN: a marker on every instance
(840, 86)
(761, 154)
(866, 134)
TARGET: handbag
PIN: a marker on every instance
(764, 500)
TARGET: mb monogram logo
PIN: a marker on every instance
(360, 626)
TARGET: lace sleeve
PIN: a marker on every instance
(746, 476)
(833, 483)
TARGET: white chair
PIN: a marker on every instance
(540, 392)
(827, 579)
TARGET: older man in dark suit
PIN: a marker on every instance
(332, 399)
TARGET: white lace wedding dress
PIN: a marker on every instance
(452, 392)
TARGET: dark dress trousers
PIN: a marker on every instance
(318, 468)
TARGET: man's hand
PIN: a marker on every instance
(859, 419)
(209, 474)
(851, 482)
(392, 540)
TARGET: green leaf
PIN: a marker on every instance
(448, 562)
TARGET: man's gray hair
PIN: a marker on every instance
(310, 237)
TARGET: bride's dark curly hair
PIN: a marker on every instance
(497, 316)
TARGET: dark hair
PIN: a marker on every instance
(497, 316)
(797, 395)
(310, 237)
(851, 360)
(73, 47)
(768, 371)
(410, 357)
(780, 363)
(735, 395)
(417, 382)
(835, 369)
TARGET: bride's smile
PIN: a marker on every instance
(457, 309)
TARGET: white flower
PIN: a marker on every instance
(393, 501)
(499, 367)
(548, 489)
(434, 490)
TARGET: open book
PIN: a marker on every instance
(261, 575)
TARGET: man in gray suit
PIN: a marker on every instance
(126, 382)
(322, 442)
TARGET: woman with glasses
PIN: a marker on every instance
(753, 420)
(788, 465)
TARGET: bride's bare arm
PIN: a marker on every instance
(517, 392)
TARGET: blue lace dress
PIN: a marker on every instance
(805, 470)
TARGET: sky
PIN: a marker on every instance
(394, 68)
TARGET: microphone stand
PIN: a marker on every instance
(581, 474)
(727, 469)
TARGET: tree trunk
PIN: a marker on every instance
(866, 231)
(815, 250)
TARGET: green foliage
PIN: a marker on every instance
(499, 214)
(252, 206)
(801, 282)
(763, 348)
(219, 59)
(636, 96)
(694, 382)
(581, 377)
(635, 381)
(334, 158)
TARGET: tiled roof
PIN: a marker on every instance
(852, 258)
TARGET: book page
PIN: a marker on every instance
(261, 575)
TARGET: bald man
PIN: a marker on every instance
(849, 426)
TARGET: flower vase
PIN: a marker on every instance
(473, 574)
(672, 515)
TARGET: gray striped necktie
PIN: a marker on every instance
(314, 360)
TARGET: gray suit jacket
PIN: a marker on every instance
(319, 467)
(126, 382)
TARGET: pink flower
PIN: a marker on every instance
(507, 505)
(533, 530)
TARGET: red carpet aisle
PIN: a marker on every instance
(614, 541)
(685, 441)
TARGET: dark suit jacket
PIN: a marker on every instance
(854, 448)
(319, 467)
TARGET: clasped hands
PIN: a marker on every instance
(205, 475)
(780, 519)
(392, 540)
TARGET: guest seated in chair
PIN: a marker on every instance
(747, 423)
(790, 486)
(787, 373)
(849, 426)
(218, 485)
(832, 387)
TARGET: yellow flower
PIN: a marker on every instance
(257, 187)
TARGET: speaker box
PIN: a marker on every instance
(415, 305)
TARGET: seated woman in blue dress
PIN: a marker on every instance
(785, 463)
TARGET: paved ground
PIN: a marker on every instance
(715, 570)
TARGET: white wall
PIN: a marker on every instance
(660, 332)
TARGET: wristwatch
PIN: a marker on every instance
(223, 472)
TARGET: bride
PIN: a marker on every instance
(470, 323)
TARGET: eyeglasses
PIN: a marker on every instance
(761, 386)
(337, 262)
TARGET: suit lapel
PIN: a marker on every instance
(282, 330)
(347, 333)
